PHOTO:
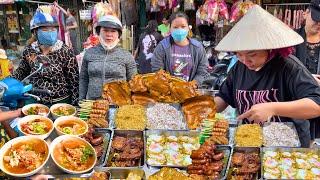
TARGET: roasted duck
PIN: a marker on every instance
(198, 108)
(183, 90)
(117, 93)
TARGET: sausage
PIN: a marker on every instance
(208, 172)
(199, 172)
(215, 166)
(198, 155)
(200, 161)
(97, 141)
(218, 156)
(195, 167)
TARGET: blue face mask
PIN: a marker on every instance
(48, 38)
(179, 35)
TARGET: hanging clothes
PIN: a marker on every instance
(129, 14)
(189, 5)
(116, 7)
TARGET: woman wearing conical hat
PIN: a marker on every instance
(267, 83)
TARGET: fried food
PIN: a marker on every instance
(125, 152)
(95, 112)
(117, 93)
(158, 85)
(207, 161)
(249, 135)
(245, 165)
(131, 117)
(143, 99)
(198, 108)
(169, 174)
(137, 84)
(183, 90)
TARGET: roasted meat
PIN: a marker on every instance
(99, 150)
(183, 90)
(143, 99)
(119, 143)
(117, 93)
(126, 152)
(158, 85)
(245, 165)
(198, 108)
(137, 84)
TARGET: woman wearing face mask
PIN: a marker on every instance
(180, 55)
(60, 73)
(105, 62)
(267, 83)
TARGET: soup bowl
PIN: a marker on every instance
(77, 163)
(70, 125)
(62, 109)
(36, 125)
(36, 109)
(23, 149)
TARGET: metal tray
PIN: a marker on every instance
(291, 125)
(123, 173)
(285, 149)
(228, 151)
(176, 106)
(112, 118)
(167, 133)
(107, 135)
(246, 150)
(125, 133)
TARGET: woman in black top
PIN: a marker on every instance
(268, 84)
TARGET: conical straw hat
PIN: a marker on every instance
(259, 30)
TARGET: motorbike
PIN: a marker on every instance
(13, 92)
(219, 72)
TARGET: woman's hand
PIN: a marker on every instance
(259, 113)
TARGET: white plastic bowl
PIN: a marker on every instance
(31, 118)
(6, 147)
(63, 119)
(26, 107)
(53, 107)
(58, 140)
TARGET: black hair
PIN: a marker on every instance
(151, 27)
(177, 15)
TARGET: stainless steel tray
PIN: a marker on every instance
(228, 151)
(111, 116)
(285, 149)
(123, 173)
(167, 133)
(246, 150)
(291, 125)
(176, 106)
(125, 133)
(107, 135)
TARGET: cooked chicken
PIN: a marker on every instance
(158, 85)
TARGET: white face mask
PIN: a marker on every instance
(108, 46)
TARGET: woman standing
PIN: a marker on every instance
(267, 83)
(146, 45)
(71, 27)
(179, 55)
(105, 62)
(60, 74)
